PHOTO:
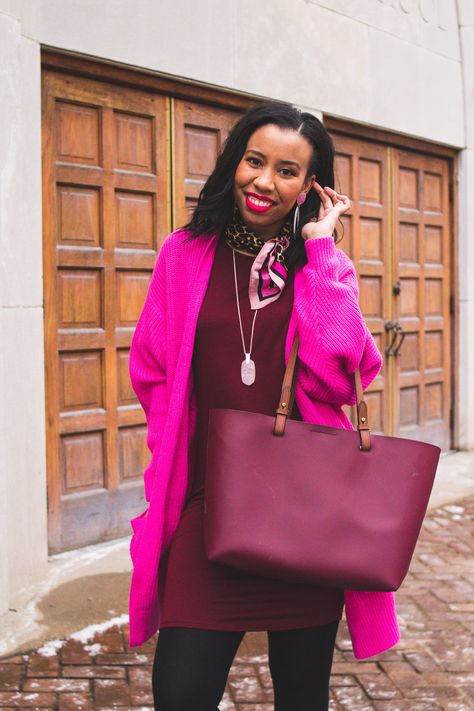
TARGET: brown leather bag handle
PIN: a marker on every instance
(287, 397)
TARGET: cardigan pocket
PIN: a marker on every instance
(137, 525)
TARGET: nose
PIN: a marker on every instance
(264, 181)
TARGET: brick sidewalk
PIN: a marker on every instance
(432, 667)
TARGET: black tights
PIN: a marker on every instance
(191, 666)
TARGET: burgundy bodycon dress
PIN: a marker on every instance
(206, 595)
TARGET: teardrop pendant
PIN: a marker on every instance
(247, 370)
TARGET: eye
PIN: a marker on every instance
(290, 172)
(251, 158)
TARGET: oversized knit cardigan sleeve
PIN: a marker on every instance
(147, 363)
(334, 338)
(334, 341)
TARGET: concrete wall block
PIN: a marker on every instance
(23, 472)
(466, 226)
(331, 53)
(20, 179)
(466, 375)
(467, 41)
(465, 13)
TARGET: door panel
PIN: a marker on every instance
(397, 233)
(105, 193)
(198, 134)
(421, 252)
(361, 172)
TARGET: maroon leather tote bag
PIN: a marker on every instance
(310, 503)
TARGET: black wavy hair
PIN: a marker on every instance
(215, 207)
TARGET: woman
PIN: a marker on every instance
(256, 263)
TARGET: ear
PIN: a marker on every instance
(308, 184)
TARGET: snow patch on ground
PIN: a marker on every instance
(93, 649)
(50, 649)
(454, 509)
(62, 567)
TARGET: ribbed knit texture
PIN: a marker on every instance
(334, 340)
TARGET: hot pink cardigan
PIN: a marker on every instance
(334, 340)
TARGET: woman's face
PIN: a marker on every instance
(270, 176)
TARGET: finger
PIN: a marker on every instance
(338, 196)
(325, 199)
(342, 198)
(343, 205)
(334, 192)
(319, 189)
(333, 195)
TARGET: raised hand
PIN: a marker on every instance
(333, 205)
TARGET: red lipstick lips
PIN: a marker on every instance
(254, 207)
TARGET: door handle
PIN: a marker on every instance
(396, 351)
(395, 327)
(391, 326)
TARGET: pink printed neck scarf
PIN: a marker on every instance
(269, 271)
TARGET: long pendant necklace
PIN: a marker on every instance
(247, 368)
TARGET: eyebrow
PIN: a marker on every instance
(259, 153)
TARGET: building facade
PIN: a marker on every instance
(112, 116)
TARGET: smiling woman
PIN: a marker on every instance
(260, 242)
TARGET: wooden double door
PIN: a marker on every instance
(121, 168)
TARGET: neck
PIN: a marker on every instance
(266, 232)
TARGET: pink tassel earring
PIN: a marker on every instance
(299, 201)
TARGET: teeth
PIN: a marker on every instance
(260, 203)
